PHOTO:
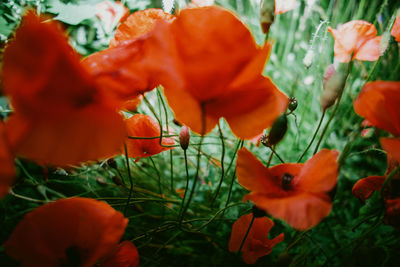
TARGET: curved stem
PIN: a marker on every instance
(130, 178)
(313, 138)
(222, 165)
(247, 233)
(158, 175)
(276, 154)
(239, 145)
(186, 188)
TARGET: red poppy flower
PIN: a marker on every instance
(365, 187)
(7, 171)
(123, 70)
(378, 103)
(125, 255)
(396, 29)
(282, 6)
(257, 244)
(60, 116)
(356, 37)
(296, 193)
(392, 212)
(212, 68)
(67, 232)
(392, 147)
(140, 125)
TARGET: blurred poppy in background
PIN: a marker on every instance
(7, 171)
(356, 39)
(140, 125)
(67, 232)
(211, 68)
(293, 192)
(60, 116)
(396, 29)
(257, 244)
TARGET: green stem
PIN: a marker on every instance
(186, 187)
(247, 233)
(130, 178)
(222, 165)
(276, 154)
(239, 145)
(313, 138)
(158, 175)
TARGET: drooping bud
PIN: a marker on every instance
(267, 14)
(333, 84)
(184, 137)
(292, 104)
(277, 131)
(308, 58)
(257, 212)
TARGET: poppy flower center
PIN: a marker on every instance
(287, 181)
(73, 257)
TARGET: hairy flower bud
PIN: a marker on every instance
(184, 137)
(308, 58)
(292, 104)
(267, 14)
(333, 84)
(277, 131)
(383, 45)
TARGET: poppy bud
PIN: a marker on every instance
(292, 104)
(333, 84)
(277, 131)
(112, 163)
(184, 137)
(117, 180)
(309, 58)
(258, 213)
(383, 45)
(267, 14)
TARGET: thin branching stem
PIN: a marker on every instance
(313, 138)
(128, 168)
(222, 164)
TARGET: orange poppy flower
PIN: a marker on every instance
(294, 192)
(356, 37)
(378, 103)
(123, 70)
(365, 187)
(257, 244)
(392, 147)
(61, 117)
(282, 6)
(7, 171)
(67, 232)
(140, 125)
(125, 255)
(213, 70)
(396, 29)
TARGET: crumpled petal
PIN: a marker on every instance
(365, 187)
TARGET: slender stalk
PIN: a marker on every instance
(270, 159)
(158, 175)
(222, 165)
(247, 233)
(313, 138)
(186, 187)
(152, 137)
(239, 145)
(276, 154)
(130, 178)
(196, 177)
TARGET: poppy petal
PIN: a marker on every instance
(301, 211)
(125, 255)
(378, 103)
(7, 171)
(350, 37)
(253, 175)
(138, 24)
(392, 147)
(369, 51)
(85, 228)
(282, 6)
(396, 29)
(365, 187)
(89, 134)
(140, 125)
(319, 174)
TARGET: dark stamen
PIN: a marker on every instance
(287, 181)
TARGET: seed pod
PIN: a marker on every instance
(267, 14)
(334, 82)
(292, 104)
(257, 212)
(184, 137)
(278, 130)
